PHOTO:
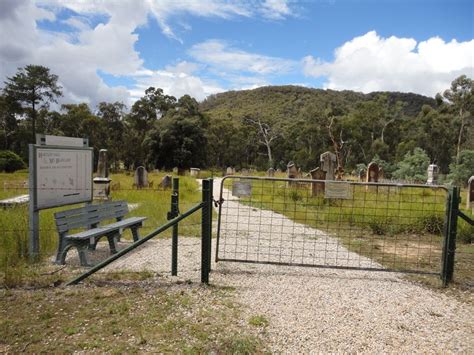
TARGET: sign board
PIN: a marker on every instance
(341, 190)
(44, 139)
(62, 176)
(241, 188)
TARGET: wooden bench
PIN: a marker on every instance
(90, 217)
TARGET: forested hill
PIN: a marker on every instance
(292, 101)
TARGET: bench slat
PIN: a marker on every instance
(85, 220)
(100, 231)
(88, 208)
(89, 215)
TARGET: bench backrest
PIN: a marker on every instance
(90, 215)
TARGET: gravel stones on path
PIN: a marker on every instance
(312, 310)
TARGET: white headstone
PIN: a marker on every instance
(432, 174)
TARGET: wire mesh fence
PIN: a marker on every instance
(332, 224)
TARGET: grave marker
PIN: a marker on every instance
(328, 164)
(317, 187)
(194, 172)
(102, 181)
(373, 172)
(141, 177)
(271, 172)
(432, 174)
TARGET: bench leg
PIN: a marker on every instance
(112, 245)
(136, 236)
(81, 249)
(65, 246)
(62, 251)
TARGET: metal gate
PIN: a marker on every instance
(336, 224)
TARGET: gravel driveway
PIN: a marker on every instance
(325, 310)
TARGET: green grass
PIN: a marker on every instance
(258, 321)
(130, 318)
(152, 203)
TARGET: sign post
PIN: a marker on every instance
(59, 174)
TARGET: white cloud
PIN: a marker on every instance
(176, 80)
(78, 55)
(276, 9)
(372, 63)
(222, 56)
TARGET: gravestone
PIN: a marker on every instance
(362, 174)
(328, 164)
(470, 193)
(291, 170)
(381, 174)
(271, 172)
(432, 174)
(194, 172)
(317, 187)
(230, 171)
(175, 170)
(244, 172)
(165, 182)
(101, 182)
(373, 172)
(141, 177)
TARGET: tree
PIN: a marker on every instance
(462, 102)
(461, 172)
(34, 87)
(182, 139)
(414, 166)
(266, 133)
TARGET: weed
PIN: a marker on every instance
(258, 321)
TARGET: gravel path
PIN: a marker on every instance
(325, 310)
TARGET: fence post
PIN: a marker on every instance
(211, 197)
(450, 231)
(205, 230)
(173, 214)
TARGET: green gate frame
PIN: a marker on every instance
(450, 233)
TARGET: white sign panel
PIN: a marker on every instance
(340, 190)
(241, 189)
(63, 176)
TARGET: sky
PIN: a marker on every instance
(113, 50)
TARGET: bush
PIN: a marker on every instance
(414, 166)
(10, 162)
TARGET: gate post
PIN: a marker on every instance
(206, 230)
(450, 231)
(173, 214)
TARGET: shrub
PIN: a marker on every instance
(10, 162)
(414, 166)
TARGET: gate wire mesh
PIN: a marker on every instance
(296, 222)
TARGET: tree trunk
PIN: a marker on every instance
(33, 117)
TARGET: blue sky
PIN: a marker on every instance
(113, 50)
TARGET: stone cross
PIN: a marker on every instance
(271, 172)
(317, 187)
(141, 177)
(432, 174)
(373, 172)
(470, 194)
(328, 164)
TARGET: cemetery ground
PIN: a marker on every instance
(143, 310)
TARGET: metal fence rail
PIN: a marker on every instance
(338, 224)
